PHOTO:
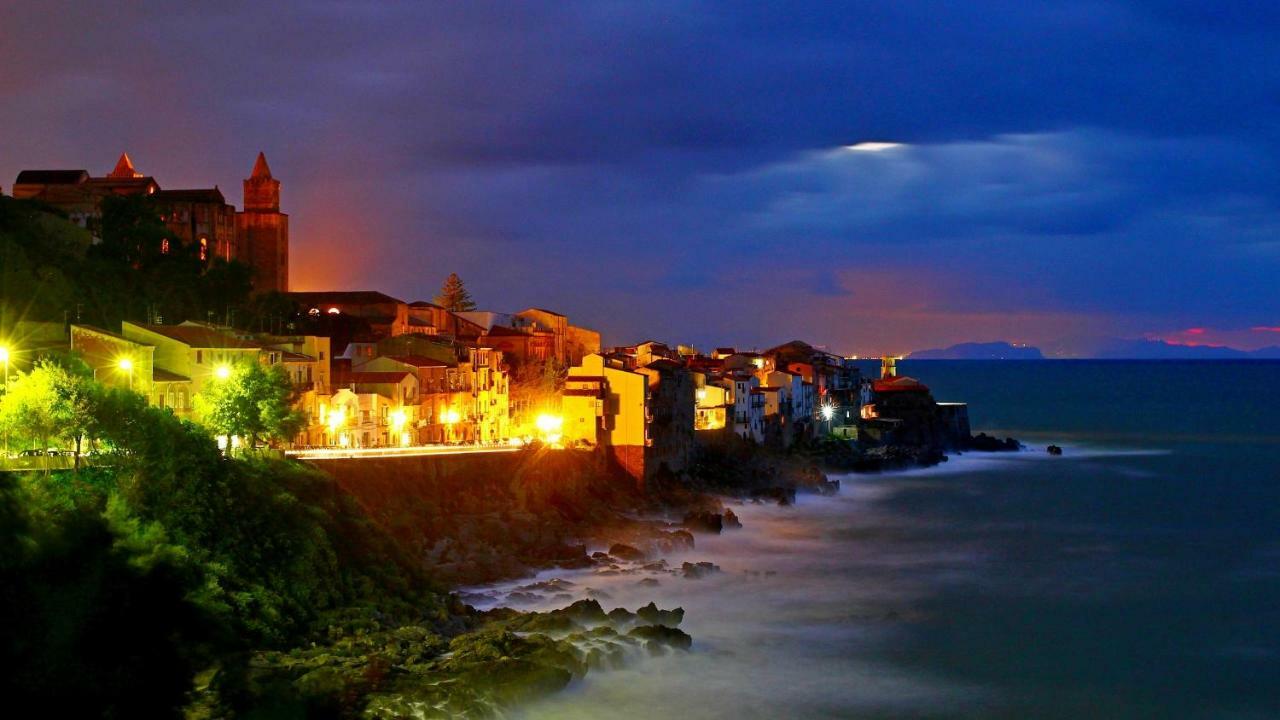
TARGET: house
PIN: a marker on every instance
(671, 414)
(197, 353)
(618, 400)
(713, 404)
(385, 315)
(385, 408)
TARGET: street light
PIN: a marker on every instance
(126, 365)
(828, 411)
(222, 372)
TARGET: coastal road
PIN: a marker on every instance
(419, 450)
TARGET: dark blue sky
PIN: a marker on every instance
(1064, 171)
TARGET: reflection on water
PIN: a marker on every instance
(1102, 584)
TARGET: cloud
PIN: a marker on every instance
(671, 168)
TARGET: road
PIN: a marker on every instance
(414, 451)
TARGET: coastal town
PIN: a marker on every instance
(371, 374)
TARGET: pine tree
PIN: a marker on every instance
(454, 296)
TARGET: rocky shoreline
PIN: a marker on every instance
(556, 512)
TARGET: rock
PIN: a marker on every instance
(681, 539)
(552, 585)
(707, 522)
(652, 615)
(649, 582)
(657, 566)
(584, 611)
(697, 571)
(621, 616)
(658, 637)
(1054, 450)
(985, 443)
(626, 552)
(781, 495)
(602, 557)
(731, 519)
(598, 594)
(523, 598)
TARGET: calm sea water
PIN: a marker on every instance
(1138, 576)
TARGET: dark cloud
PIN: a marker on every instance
(673, 168)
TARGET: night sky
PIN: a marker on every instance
(699, 172)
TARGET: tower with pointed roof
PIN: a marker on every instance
(124, 169)
(263, 230)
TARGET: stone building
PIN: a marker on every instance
(257, 236)
(264, 230)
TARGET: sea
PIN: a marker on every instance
(1135, 576)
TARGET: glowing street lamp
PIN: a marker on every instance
(549, 427)
(828, 411)
(337, 418)
(126, 365)
(222, 372)
(398, 420)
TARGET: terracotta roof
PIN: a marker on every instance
(124, 168)
(290, 356)
(108, 333)
(197, 336)
(902, 383)
(260, 167)
(370, 377)
(541, 310)
(501, 330)
(664, 364)
(159, 375)
(420, 361)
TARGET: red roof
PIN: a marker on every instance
(900, 383)
(198, 336)
(371, 377)
(420, 361)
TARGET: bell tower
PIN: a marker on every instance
(264, 230)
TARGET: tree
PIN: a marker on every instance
(454, 296)
(254, 402)
(51, 402)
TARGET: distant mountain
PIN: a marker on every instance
(1120, 349)
(980, 351)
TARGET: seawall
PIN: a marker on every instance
(484, 516)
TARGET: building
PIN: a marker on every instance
(263, 230)
(672, 411)
(386, 316)
(203, 218)
(196, 352)
(607, 405)
(257, 236)
(713, 404)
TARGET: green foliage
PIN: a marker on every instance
(49, 404)
(454, 296)
(255, 402)
(93, 628)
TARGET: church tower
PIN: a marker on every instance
(264, 231)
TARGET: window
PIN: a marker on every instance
(199, 357)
